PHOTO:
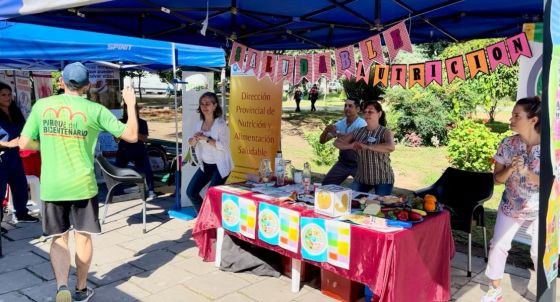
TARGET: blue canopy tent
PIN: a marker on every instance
(36, 47)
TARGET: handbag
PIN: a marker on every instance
(190, 157)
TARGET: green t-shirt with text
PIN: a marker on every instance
(67, 128)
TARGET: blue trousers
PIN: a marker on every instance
(380, 189)
(12, 173)
(200, 179)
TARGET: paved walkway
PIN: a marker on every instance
(163, 265)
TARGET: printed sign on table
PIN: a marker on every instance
(289, 229)
(338, 234)
(269, 223)
(247, 217)
(230, 212)
(314, 240)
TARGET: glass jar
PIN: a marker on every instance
(265, 171)
(288, 172)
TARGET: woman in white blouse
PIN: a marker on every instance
(210, 136)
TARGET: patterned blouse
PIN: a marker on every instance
(373, 167)
(521, 198)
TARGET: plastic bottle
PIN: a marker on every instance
(288, 172)
(306, 178)
(279, 169)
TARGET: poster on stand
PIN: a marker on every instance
(42, 82)
(23, 92)
(104, 85)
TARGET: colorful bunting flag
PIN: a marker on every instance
(253, 61)
(397, 38)
(476, 61)
(518, 46)
(416, 75)
(371, 50)
(237, 55)
(398, 75)
(345, 62)
(497, 54)
(381, 75)
(303, 68)
(362, 74)
(268, 66)
(321, 66)
(285, 69)
(433, 72)
(455, 68)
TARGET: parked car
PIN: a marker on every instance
(334, 86)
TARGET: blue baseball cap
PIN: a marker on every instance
(75, 75)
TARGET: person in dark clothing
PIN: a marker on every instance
(11, 166)
(137, 153)
(313, 96)
(297, 98)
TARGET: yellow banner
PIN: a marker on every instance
(255, 113)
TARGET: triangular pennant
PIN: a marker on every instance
(433, 72)
(455, 68)
(345, 62)
(268, 65)
(497, 54)
(416, 75)
(518, 46)
(237, 54)
(397, 38)
(253, 61)
(371, 50)
(321, 66)
(363, 72)
(398, 75)
(476, 61)
(381, 75)
(303, 68)
(284, 69)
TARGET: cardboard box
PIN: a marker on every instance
(333, 200)
(340, 288)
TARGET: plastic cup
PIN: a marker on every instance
(298, 177)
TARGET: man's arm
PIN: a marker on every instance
(26, 143)
(130, 133)
(328, 133)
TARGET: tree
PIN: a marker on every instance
(133, 74)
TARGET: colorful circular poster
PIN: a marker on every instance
(314, 239)
(230, 213)
(269, 223)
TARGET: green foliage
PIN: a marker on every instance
(55, 75)
(323, 154)
(472, 146)
(418, 111)
(359, 90)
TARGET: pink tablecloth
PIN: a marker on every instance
(408, 265)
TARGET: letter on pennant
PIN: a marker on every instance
(303, 68)
(268, 65)
(321, 66)
(476, 61)
(416, 75)
(345, 62)
(253, 61)
(285, 69)
(455, 68)
(433, 72)
(398, 75)
(518, 46)
(237, 54)
(497, 54)
(381, 75)
(363, 72)
(371, 50)
(397, 38)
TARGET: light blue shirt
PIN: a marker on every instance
(343, 128)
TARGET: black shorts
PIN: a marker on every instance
(61, 216)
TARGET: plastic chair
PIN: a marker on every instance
(114, 177)
(463, 193)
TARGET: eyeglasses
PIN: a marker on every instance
(369, 111)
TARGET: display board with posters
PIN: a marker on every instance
(23, 92)
(104, 85)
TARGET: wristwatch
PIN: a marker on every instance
(208, 139)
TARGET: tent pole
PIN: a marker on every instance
(223, 89)
(178, 155)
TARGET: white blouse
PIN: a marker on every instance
(220, 155)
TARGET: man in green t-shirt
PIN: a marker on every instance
(65, 129)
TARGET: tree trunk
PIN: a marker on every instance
(139, 82)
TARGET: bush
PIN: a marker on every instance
(323, 154)
(412, 140)
(472, 146)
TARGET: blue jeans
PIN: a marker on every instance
(200, 179)
(380, 189)
(12, 173)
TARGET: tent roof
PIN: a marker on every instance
(35, 46)
(293, 24)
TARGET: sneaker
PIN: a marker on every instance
(492, 295)
(151, 196)
(26, 218)
(83, 295)
(63, 294)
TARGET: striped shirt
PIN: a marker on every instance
(373, 167)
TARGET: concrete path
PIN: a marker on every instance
(163, 265)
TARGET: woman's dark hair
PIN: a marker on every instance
(124, 118)
(378, 108)
(532, 106)
(13, 110)
(355, 101)
(214, 98)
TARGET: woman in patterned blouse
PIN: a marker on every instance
(373, 143)
(518, 167)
